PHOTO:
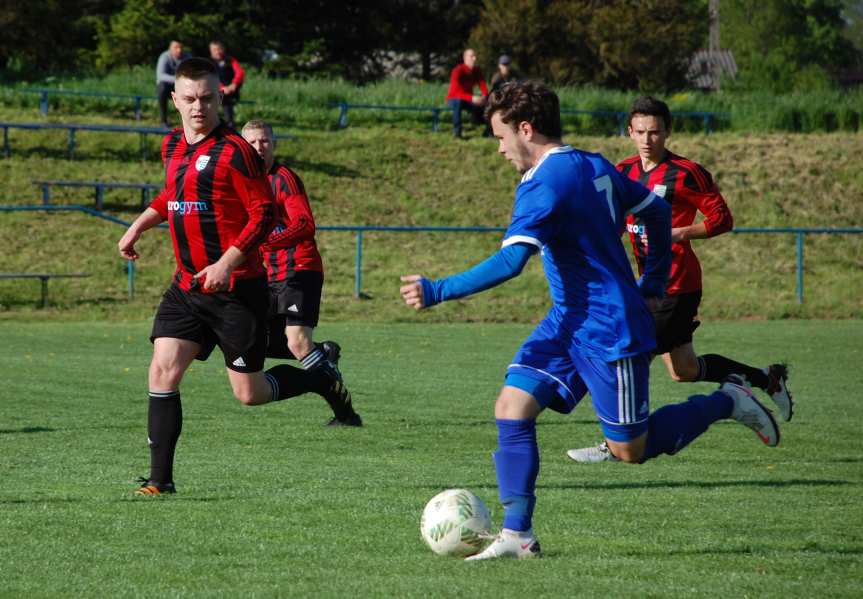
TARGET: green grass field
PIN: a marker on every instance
(272, 503)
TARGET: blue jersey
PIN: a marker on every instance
(572, 206)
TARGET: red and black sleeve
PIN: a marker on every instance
(298, 219)
(701, 191)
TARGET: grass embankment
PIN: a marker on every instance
(273, 504)
(310, 104)
(392, 176)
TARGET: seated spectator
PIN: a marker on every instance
(504, 74)
(166, 67)
(231, 76)
(465, 77)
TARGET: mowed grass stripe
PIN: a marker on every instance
(272, 503)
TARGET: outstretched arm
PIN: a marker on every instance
(422, 293)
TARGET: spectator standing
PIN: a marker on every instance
(504, 74)
(166, 69)
(231, 76)
(463, 80)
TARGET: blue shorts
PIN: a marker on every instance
(619, 389)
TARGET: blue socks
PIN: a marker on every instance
(517, 464)
(673, 427)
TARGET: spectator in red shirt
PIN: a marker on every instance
(463, 80)
(231, 77)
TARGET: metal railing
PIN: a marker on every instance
(799, 232)
(73, 128)
(44, 94)
(708, 119)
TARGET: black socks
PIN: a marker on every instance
(164, 424)
(715, 368)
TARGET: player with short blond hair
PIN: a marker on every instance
(295, 274)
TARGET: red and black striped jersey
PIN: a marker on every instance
(689, 188)
(215, 196)
(291, 245)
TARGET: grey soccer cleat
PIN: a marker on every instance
(777, 389)
(749, 412)
(593, 454)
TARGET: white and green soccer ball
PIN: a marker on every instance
(455, 522)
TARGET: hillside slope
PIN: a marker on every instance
(390, 176)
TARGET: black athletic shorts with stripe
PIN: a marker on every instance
(236, 321)
(675, 320)
(296, 301)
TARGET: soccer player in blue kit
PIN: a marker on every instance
(571, 206)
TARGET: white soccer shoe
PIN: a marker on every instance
(593, 454)
(749, 412)
(777, 389)
(510, 543)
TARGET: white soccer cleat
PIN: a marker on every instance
(510, 543)
(749, 412)
(777, 389)
(593, 454)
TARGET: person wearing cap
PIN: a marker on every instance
(504, 74)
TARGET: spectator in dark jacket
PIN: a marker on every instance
(231, 76)
(504, 74)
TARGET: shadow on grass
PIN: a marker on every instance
(671, 484)
(130, 498)
(490, 423)
(749, 550)
(327, 168)
(26, 429)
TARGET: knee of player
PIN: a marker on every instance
(165, 375)
(246, 397)
(630, 455)
(684, 374)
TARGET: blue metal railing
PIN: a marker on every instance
(73, 128)
(799, 232)
(707, 119)
(136, 98)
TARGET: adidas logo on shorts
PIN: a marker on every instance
(239, 362)
(293, 308)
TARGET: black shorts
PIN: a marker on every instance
(235, 321)
(296, 301)
(675, 320)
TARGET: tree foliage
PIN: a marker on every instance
(779, 45)
(786, 45)
(620, 43)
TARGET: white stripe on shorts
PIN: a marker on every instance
(619, 393)
(632, 414)
(625, 392)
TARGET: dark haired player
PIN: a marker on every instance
(220, 208)
(571, 206)
(689, 188)
(295, 273)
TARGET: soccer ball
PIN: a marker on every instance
(453, 522)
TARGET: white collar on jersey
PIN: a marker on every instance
(555, 150)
